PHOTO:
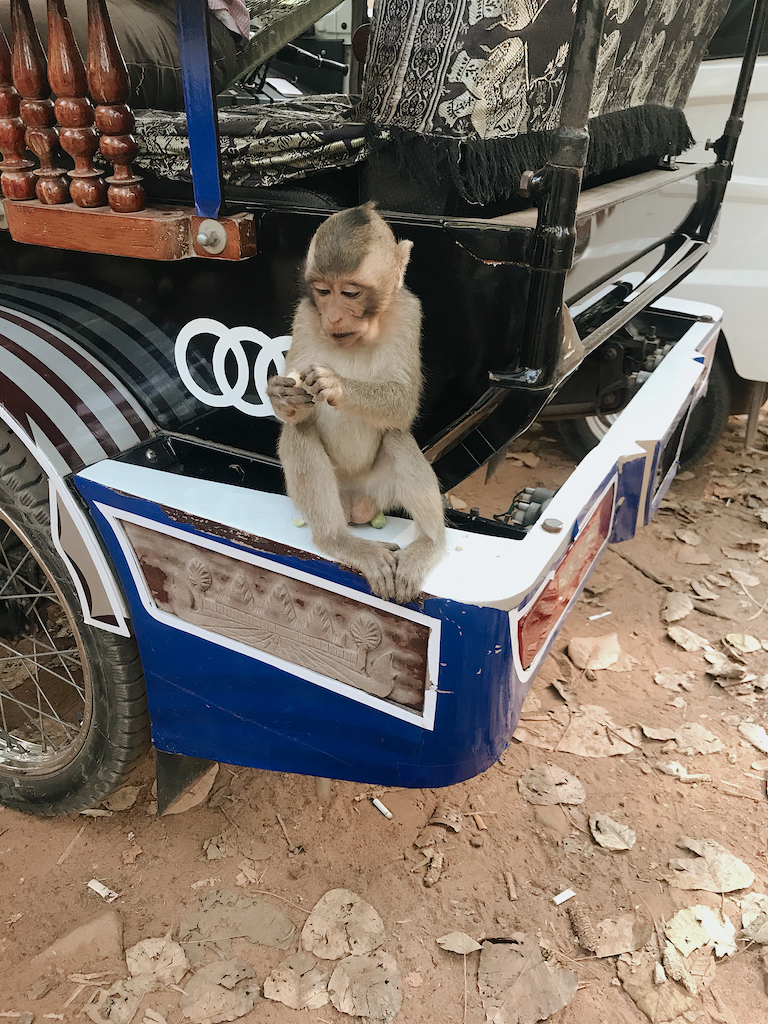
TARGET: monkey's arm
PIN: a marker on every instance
(290, 403)
(388, 404)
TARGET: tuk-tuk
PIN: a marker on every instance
(157, 582)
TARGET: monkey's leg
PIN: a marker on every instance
(312, 486)
(403, 477)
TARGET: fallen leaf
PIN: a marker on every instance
(367, 986)
(746, 579)
(754, 917)
(611, 834)
(218, 847)
(743, 643)
(206, 1003)
(594, 652)
(687, 639)
(161, 961)
(517, 986)
(739, 554)
(702, 591)
(227, 973)
(300, 982)
(688, 537)
(529, 459)
(723, 667)
(658, 1002)
(591, 732)
(713, 869)
(342, 923)
(694, 927)
(130, 855)
(754, 734)
(195, 794)
(547, 785)
(693, 738)
(675, 606)
(224, 915)
(456, 503)
(674, 681)
(621, 934)
(662, 735)
(458, 942)
(692, 556)
(122, 799)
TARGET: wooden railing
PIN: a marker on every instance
(49, 202)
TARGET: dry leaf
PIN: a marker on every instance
(226, 915)
(591, 732)
(195, 794)
(693, 738)
(300, 982)
(713, 869)
(743, 643)
(739, 554)
(687, 639)
(694, 927)
(122, 799)
(547, 785)
(227, 972)
(723, 667)
(746, 579)
(611, 834)
(529, 459)
(517, 986)
(674, 681)
(675, 606)
(594, 652)
(688, 537)
(702, 591)
(458, 942)
(754, 734)
(367, 986)
(341, 922)
(659, 1003)
(206, 1003)
(622, 934)
(692, 556)
(130, 855)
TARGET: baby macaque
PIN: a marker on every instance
(347, 401)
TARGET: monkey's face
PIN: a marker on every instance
(348, 310)
(353, 306)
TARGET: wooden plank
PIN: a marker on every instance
(156, 234)
(149, 235)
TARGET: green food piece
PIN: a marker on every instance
(379, 521)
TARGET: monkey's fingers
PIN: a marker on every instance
(283, 382)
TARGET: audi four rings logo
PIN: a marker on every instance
(240, 342)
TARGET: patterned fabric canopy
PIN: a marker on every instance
(482, 82)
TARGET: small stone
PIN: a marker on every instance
(476, 840)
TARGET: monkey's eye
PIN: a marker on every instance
(350, 293)
(321, 291)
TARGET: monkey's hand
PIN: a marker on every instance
(290, 402)
(324, 384)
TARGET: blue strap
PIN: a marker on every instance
(202, 122)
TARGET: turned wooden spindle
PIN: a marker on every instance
(30, 76)
(74, 110)
(111, 88)
(16, 176)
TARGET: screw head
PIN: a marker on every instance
(552, 525)
(150, 455)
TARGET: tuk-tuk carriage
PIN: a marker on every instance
(154, 577)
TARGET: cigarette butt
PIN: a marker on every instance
(511, 890)
(479, 822)
(561, 897)
(380, 807)
(600, 616)
(102, 890)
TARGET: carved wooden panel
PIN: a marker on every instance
(366, 647)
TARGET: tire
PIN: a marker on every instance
(73, 709)
(705, 426)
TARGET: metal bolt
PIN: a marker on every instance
(211, 236)
(150, 455)
(552, 525)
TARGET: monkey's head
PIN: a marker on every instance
(353, 271)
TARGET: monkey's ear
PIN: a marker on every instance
(403, 256)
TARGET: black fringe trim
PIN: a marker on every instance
(483, 171)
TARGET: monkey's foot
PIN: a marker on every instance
(377, 562)
(413, 565)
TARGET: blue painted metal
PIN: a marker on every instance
(207, 700)
(200, 105)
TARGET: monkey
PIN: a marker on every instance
(347, 399)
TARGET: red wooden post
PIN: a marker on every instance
(111, 88)
(31, 79)
(73, 108)
(16, 177)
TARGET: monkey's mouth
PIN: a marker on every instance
(341, 335)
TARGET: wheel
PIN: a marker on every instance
(705, 426)
(73, 708)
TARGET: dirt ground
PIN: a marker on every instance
(160, 870)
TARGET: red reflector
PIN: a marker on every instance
(545, 611)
